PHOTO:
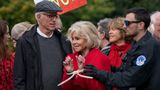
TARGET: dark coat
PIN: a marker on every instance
(27, 66)
(138, 69)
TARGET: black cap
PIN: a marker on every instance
(47, 6)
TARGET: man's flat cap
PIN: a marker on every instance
(47, 6)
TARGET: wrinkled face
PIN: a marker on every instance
(48, 20)
(157, 27)
(78, 43)
(131, 25)
(115, 35)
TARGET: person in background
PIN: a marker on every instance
(59, 25)
(155, 25)
(155, 30)
(138, 69)
(104, 34)
(119, 46)
(19, 29)
(40, 52)
(85, 42)
(6, 59)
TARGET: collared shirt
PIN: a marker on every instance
(42, 34)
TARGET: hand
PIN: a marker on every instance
(90, 70)
(81, 61)
(68, 64)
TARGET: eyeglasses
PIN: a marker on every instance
(50, 15)
(127, 23)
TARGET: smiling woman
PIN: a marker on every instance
(85, 30)
(119, 45)
(85, 43)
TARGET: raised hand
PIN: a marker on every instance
(80, 61)
(68, 64)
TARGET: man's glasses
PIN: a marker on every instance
(50, 15)
(127, 23)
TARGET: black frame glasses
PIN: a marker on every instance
(127, 22)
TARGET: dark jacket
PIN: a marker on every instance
(138, 67)
(27, 66)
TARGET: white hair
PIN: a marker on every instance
(87, 31)
(36, 15)
(153, 17)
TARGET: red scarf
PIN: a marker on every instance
(117, 53)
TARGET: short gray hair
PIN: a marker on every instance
(103, 26)
(36, 14)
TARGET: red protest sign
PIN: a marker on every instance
(68, 5)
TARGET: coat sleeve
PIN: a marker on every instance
(101, 62)
(19, 68)
(139, 71)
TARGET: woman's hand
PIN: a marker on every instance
(68, 64)
(80, 61)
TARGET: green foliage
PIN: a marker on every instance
(3, 3)
(122, 5)
(93, 11)
(17, 11)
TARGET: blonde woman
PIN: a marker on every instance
(85, 42)
(119, 45)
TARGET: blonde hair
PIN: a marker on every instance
(18, 29)
(117, 23)
(87, 31)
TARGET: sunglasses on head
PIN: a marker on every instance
(127, 23)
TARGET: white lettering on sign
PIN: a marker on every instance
(64, 2)
(56, 1)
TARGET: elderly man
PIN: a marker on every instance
(155, 21)
(104, 34)
(40, 52)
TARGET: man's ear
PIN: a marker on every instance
(38, 16)
(141, 25)
(102, 35)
